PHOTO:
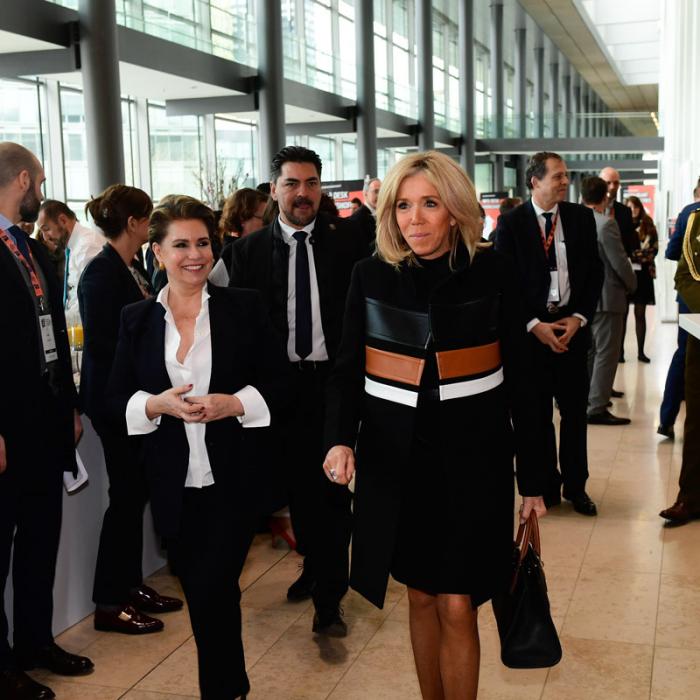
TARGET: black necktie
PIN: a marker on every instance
(21, 241)
(551, 253)
(303, 343)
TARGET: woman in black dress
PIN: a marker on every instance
(645, 267)
(430, 394)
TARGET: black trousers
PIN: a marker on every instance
(689, 481)
(320, 511)
(564, 378)
(31, 506)
(209, 555)
(119, 558)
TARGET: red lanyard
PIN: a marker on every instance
(28, 266)
(547, 242)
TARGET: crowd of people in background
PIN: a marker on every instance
(398, 330)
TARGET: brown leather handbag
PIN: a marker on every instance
(528, 636)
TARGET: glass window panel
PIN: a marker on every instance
(19, 115)
(325, 147)
(236, 154)
(380, 72)
(350, 164)
(347, 57)
(74, 148)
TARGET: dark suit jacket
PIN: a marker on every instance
(21, 369)
(366, 224)
(245, 352)
(518, 237)
(105, 288)
(261, 261)
(623, 216)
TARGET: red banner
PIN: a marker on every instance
(646, 194)
(491, 201)
(343, 192)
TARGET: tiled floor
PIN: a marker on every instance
(625, 595)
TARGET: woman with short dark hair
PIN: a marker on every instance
(197, 376)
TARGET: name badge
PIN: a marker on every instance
(48, 340)
(553, 287)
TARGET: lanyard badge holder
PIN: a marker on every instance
(549, 245)
(48, 338)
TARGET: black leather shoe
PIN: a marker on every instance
(643, 358)
(680, 513)
(128, 620)
(54, 659)
(666, 431)
(617, 394)
(583, 504)
(551, 500)
(329, 622)
(302, 588)
(17, 685)
(607, 418)
(147, 600)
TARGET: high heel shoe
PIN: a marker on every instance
(643, 358)
(278, 528)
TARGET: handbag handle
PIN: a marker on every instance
(528, 533)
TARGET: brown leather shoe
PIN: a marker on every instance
(128, 620)
(147, 600)
(680, 513)
(55, 659)
(17, 685)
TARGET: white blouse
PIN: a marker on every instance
(195, 370)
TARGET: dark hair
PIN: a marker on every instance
(537, 167)
(593, 190)
(293, 154)
(177, 207)
(52, 209)
(509, 203)
(696, 192)
(482, 213)
(327, 205)
(111, 209)
(356, 200)
(632, 199)
(264, 187)
(272, 211)
(238, 208)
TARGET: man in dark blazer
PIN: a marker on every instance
(365, 218)
(301, 263)
(38, 431)
(554, 247)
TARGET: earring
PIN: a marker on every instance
(161, 267)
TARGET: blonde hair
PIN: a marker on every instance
(456, 192)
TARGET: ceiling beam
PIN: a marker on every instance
(610, 144)
(38, 19)
(15, 65)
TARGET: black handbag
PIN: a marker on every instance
(528, 636)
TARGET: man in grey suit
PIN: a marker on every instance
(608, 322)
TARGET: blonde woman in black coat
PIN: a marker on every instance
(429, 397)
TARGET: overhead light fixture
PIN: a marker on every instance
(655, 119)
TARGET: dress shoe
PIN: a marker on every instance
(146, 599)
(551, 500)
(302, 588)
(606, 418)
(643, 358)
(621, 360)
(17, 685)
(128, 620)
(679, 513)
(329, 622)
(54, 659)
(666, 431)
(582, 504)
(617, 394)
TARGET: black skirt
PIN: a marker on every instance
(644, 293)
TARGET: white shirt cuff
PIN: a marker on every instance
(584, 320)
(137, 422)
(531, 324)
(256, 414)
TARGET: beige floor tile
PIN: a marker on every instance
(625, 545)
(600, 462)
(564, 540)
(78, 637)
(644, 439)
(632, 500)
(261, 558)
(682, 549)
(303, 665)
(67, 689)
(597, 670)
(270, 590)
(617, 606)
(384, 670)
(150, 695)
(561, 583)
(175, 674)
(650, 467)
(604, 437)
(676, 674)
(678, 623)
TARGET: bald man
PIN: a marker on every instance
(39, 427)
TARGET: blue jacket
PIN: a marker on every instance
(674, 248)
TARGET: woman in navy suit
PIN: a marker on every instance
(197, 376)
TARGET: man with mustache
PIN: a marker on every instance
(554, 247)
(37, 375)
(301, 263)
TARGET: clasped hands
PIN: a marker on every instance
(193, 409)
(556, 335)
